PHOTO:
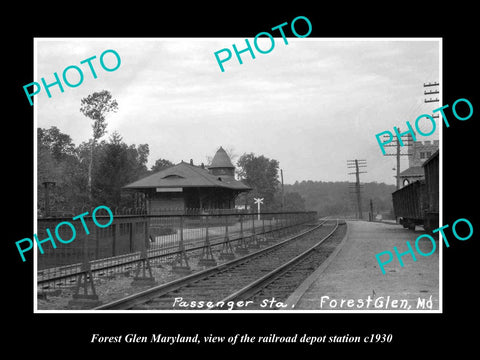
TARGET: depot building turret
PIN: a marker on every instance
(187, 186)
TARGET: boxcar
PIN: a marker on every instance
(408, 204)
(432, 178)
(418, 202)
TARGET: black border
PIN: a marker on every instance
(412, 332)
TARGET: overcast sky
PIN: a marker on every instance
(312, 104)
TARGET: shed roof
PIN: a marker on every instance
(186, 175)
(413, 171)
(433, 156)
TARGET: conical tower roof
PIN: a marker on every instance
(221, 160)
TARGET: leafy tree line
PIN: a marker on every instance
(87, 175)
(335, 198)
(114, 164)
(94, 172)
(327, 198)
(262, 175)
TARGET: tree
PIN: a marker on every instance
(59, 161)
(138, 158)
(142, 155)
(334, 198)
(261, 174)
(117, 165)
(294, 202)
(161, 164)
(59, 144)
(96, 106)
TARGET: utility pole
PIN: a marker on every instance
(406, 140)
(357, 164)
(431, 92)
(370, 217)
(283, 194)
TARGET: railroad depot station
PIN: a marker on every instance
(188, 186)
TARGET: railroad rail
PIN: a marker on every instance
(239, 279)
(68, 274)
(282, 281)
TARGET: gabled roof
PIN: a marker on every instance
(221, 160)
(186, 175)
(413, 171)
(433, 156)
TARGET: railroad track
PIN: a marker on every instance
(68, 274)
(271, 291)
(272, 272)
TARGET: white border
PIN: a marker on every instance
(35, 180)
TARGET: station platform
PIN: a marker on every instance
(351, 278)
